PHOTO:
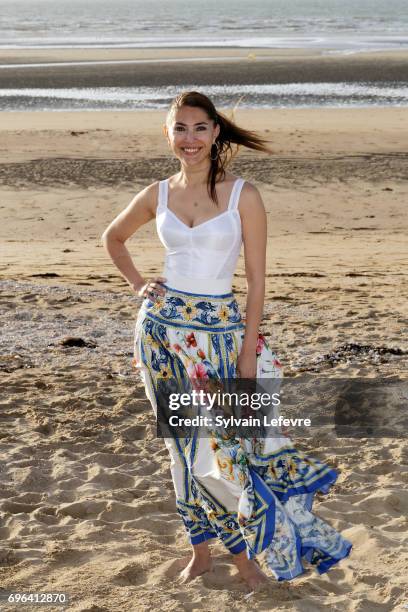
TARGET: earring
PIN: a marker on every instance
(217, 146)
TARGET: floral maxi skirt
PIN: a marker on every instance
(255, 494)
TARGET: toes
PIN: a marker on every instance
(189, 573)
(184, 576)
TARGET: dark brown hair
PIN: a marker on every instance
(230, 134)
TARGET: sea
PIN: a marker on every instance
(333, 27)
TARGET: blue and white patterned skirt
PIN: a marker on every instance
(255, 494)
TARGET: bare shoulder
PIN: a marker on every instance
(148, 197)
(141, 210)
(250, 200)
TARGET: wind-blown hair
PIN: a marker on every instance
(230, 134)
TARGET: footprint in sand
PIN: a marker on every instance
(135, 432)
(17, 508)
(108, 478)
(82, 509)
(130, 573)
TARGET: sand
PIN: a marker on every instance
(86, 499)
(44, 68)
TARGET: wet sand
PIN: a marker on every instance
(41, 68)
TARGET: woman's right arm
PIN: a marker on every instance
(141, 210)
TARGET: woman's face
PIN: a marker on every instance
(191, 134)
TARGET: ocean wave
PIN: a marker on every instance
(283, 95)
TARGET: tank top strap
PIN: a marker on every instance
(236, 192)
(163, 195)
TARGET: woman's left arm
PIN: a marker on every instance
(254, 233)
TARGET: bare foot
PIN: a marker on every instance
(196, 567)
(250, 571)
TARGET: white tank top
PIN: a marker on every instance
(203, 258)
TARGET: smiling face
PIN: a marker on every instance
(191, 134)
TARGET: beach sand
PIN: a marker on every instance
(86, 499)
(48, 68)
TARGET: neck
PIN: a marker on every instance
(193, 177)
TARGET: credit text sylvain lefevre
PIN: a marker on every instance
(220, 421)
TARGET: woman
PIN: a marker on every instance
(255, 494)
